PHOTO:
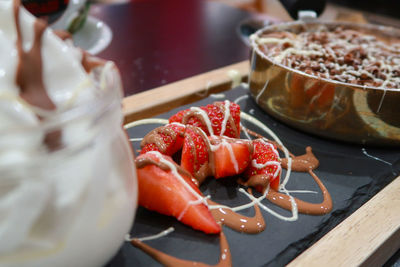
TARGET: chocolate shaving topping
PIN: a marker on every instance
(340, 54)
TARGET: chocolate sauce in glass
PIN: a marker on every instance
(29, 74)
(89, 62)
(63, 35)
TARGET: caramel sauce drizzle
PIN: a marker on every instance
(225, 259)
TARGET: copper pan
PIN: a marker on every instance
(342, 111)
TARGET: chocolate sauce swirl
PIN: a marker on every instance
(238, 222)
(303, 163)
(170, 261)
(155, 137)
(304, 207)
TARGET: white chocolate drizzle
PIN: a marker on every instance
(227, 115)
(253, 200)
(166, 232)
(363, 59)
(205, 117)
(235, 77)
(199, 199)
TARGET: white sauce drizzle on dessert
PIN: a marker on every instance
(205, 117)
(175, 172)
(364, 151)
(145, 122)
(240, 98)
(254, 200)
(342, 54)
(235, 76)
(166, 232)
(136, 139)
(262, 91)
(217, 96)
(227, 115)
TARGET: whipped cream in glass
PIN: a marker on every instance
(68, 189)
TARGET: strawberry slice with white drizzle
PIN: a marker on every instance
(265, 163)
(231, 156)
(219, 118)
(166, 188)
(167, 139)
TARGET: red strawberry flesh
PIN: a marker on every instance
(166, 139)
(222, 117)
(195, 153)
(266, 162)
(231, 157)
(162, 191)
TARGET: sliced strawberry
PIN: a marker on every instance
(178, 117)
(195, 153)
(167, 189)
(166, 139)
(231, 156)
(266, 162)
(219, 118)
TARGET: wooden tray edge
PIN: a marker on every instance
(368, 237)
(165, 98)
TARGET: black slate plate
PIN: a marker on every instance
(351, 173)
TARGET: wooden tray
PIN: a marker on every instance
(368, 237)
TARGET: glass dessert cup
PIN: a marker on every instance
(71, 204)
(337, 110)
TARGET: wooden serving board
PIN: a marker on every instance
(367, 237)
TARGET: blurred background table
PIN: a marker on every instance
(156, 42)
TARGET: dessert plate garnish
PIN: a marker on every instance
(198, 135)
